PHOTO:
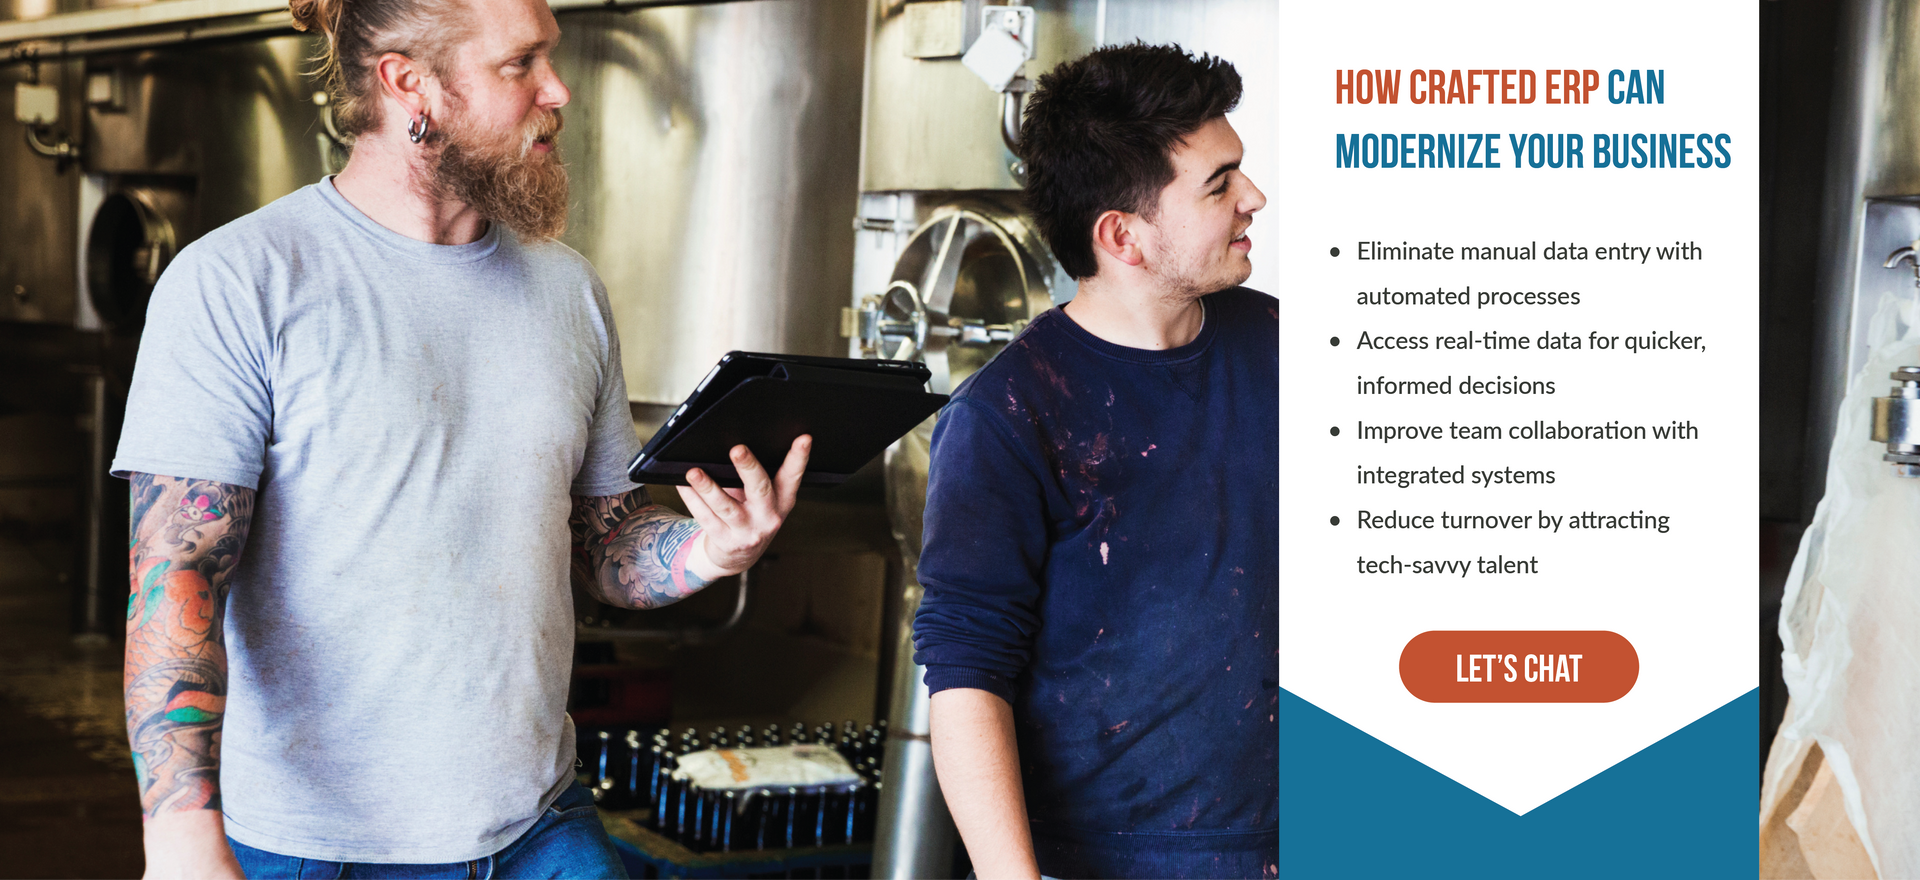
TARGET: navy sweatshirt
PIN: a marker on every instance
(1101, 550)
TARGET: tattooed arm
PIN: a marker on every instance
(630, 552)
(185, 539)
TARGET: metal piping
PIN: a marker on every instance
(175, 22)
(91, 625)
(197, 31)
(134, 17)
(60, 149)
(913, 834)
(683, 635)
(1012, 104)
(1010, 120)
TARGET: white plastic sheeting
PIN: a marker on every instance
(1850, 620)
(802, 766)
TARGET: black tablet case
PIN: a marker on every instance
(853, 408)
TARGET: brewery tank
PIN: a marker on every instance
(712, 151)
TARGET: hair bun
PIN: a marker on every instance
(321, 16)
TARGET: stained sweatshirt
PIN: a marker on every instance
(1101, 551)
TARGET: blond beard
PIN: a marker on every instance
(504, 179)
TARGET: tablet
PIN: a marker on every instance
(852, 407)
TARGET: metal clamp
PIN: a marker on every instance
(1896, 422)
(896, 325)
(893, 324)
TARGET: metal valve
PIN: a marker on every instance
(891, 325)
(896, 325)
(980, 333)
(1896, 422)
(1910, 255)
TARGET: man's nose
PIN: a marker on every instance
(1253, 200)
(554, 94)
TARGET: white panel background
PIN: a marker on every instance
(1685, 599)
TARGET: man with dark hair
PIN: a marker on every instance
(1100, 559)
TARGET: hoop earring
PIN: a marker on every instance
(417, 128)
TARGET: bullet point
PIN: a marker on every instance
(1333, 251)
(1334, 519)
(1334, 431)
(1335, 342)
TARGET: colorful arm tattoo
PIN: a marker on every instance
(185, 539)
(631, 552)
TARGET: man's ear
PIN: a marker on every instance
(1117, 234)
(404, 80)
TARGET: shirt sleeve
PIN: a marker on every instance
(984, 550)
(201, 401)
(611, 442)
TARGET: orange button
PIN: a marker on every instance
(1513, 666)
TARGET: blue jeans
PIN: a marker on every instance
(568, 841)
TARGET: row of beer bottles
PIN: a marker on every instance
(630, 775)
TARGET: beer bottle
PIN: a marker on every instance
(664, 790)
(683, 812)
(864, 805)
(792, 800)
(765, 815)
(820, 818)
(656, 763)
(843, 816)
(602, 781)
(696, 834)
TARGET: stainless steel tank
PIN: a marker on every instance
(182, 141)
(132, 235)
(39, 224)
(931, 126)
(1872, 202)
(29, 10)
(969, 278)
(713, 151)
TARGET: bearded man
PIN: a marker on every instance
(373, 427)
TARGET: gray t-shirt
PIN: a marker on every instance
(415, 417)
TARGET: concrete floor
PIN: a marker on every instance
(67, 802)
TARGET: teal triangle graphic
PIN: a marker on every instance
(1353, 806)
